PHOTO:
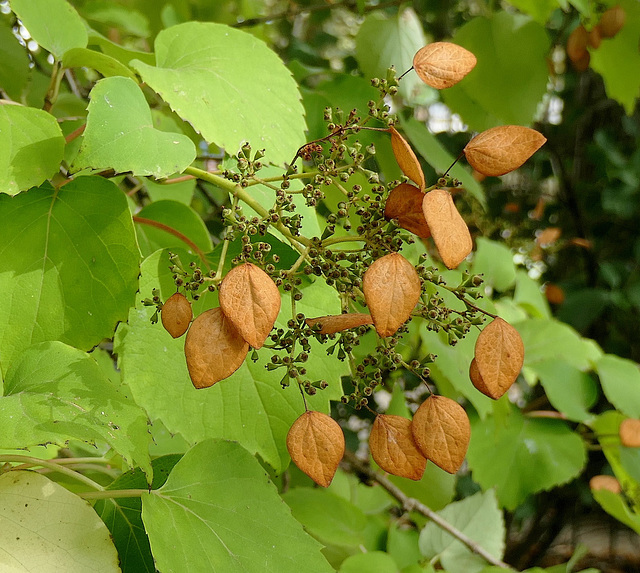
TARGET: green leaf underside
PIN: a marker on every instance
(120, 134)
(569, 390)
(479, 518)
(383, 42)
(106, 65)
(54, 393)
(123, 516)
(218, 511)
(617, 59)
(329, 518)
(503, 451)
(229, 86)
(250, 406)
(511, 75)
(54, 24)
(68, 265)
(177, 216)
(620, 380)
(31, 147)
(44, 527)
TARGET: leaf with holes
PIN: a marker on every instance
(404, 204)
(251, 301)
(443, 64)
(502, 149)
(394, 449)
(176, 315)
(316, 445)
(339, 322)
(499, 354)
(441, 430)
(214, 349)
(406, 158)
(448, 229)
(391, 287)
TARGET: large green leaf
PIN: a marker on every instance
(54, 24)
(539, 10)
(620, 380)
(615, 505)
(436, 488)
(229, 86)
(123, 516)
(511, 76)
(218, 511)
(14, 63)
(329, 518)
(479, 518)
(31, 147)
(495, 261)
(46, 528)
(69, 265)
(371, 562)
(428, 146)
(618, 59)
(502, 453)
(120, 134)
(54, 393)
(250, 406)
(176, 216)
(383, 42)
(569, 390)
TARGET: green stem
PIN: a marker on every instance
(347, 239)
(54, 86)
(28, 461)
(236, 190)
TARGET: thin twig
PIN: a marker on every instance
(412, 504)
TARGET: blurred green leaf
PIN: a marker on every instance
(620, 380)
(495, 261)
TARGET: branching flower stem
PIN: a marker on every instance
(412, 504)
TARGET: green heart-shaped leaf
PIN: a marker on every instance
(120, 134)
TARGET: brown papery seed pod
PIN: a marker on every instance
(214, 349)
(391, 288)
(176, 315)
(609, 483)
(316, 445)
(393, 448)
(339, 322)
(448, 229)
(443, 64)
(251, 301)
(404, 204)
(406, 158)
(442, 431)
(595, 37)
(502, 149)
(499, 354)
(577, 43)
(630, 433)
(612, 21)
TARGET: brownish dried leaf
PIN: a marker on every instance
(448, 229)
(406, 158)
(442, 431)
(612, 21)
(393, 448)
(251, 301)
(499, 150)
(214, 349)
(404, 204)
(605, 482)
(391, 287)
(176, 315)
(442, 64)
(630, 433)
(339, 322)
(316, 445)
(499, 354)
